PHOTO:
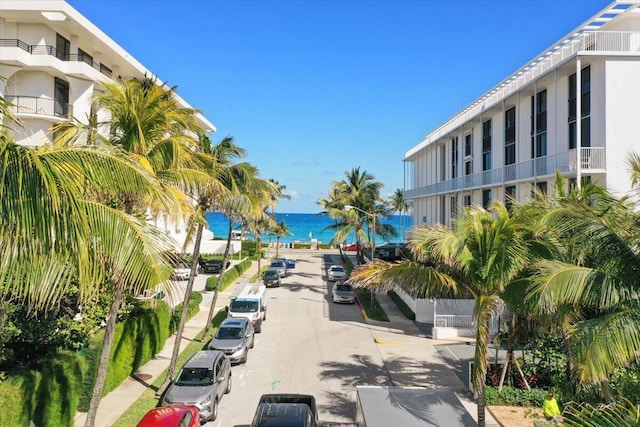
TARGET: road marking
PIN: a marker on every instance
(452, 353)
(381, 342)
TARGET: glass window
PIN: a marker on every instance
(486, 198)
(486, 145)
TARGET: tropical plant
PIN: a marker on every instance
(398, 203)
(598, 278)
(280, 230)
(480, 257)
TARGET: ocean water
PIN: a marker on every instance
(303, 227)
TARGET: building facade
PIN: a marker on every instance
(574, 108)
(53, 61)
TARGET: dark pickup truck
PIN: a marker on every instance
(286, 410)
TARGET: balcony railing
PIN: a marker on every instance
(592, 161)
(40, 106)
(38, 49)
(620, 42)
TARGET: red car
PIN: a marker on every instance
(171, 416)
(352, 248)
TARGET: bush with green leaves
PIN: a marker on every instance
(229, 276)
(510, 396)
(622, 413)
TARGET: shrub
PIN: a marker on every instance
(250, 247)
(194, 306)
(229, 276)
(510, 396)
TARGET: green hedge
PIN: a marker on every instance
(510, 396)
(408, 313)
(229, 276)
(52, 396)
(250, 247)
(194, 306)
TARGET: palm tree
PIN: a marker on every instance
(146, 121)
(280, 230)
(399, 204)
(479, 257)
(599, 275)
(60, 233)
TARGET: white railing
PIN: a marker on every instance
(592, 161)
(621, 42)
(458, 321)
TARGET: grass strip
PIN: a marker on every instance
(369, 303)
(148, 400)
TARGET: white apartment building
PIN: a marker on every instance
(574, 108)
(53, 60)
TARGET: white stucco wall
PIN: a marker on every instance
(623, 119)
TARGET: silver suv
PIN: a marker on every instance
(201, 382)
(234, 337)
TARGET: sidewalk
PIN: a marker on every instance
(415, 344)
(114, 404)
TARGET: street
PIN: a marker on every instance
(308, 345)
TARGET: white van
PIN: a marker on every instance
(250, 302)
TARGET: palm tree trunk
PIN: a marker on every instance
(483, 310)
(216, 291)
(183, 315)
(104, 358)
(277, 245)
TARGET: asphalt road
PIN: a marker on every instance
(307, 345)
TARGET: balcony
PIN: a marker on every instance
(36, 49)
(33, 105)
(592, 161)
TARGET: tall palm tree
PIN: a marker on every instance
(479, 257)
(280, 230)
(146, 121)
(398, 203)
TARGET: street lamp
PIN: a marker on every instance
(373, 240)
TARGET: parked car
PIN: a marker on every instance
(336, 272)
(150, 295)
(279, 265)
(234, 337)
(202, 381)
(181, 271)
(271, 277)
(286, 410)
(250, 302)
(214, 265)
(351, 248)
(343, 292)
(289, 263)
(171, 416)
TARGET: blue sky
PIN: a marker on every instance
(312, 89)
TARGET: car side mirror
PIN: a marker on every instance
(221, 379)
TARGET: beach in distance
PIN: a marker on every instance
(305, 226)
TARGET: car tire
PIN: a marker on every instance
(228, 389)
(253, 342)
(214, 411)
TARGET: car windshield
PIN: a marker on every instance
(343, 287)
(195, 377)
(243, 306)
(214, 262)
(270, 274)
(229, 333)
(337, 268)
(277, 264)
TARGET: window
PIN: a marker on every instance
(486, 145)
(510, 136)
(63, 48)
(468, 169)
(540, 190)
(585, 101)
(539, 125)
(509, 196)
(454, 157)
(85, 57)
(443, 163)
(453, 206)
(468, 145)
(466, 200)
(486, 198)
(105, 70)
(61, 98)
